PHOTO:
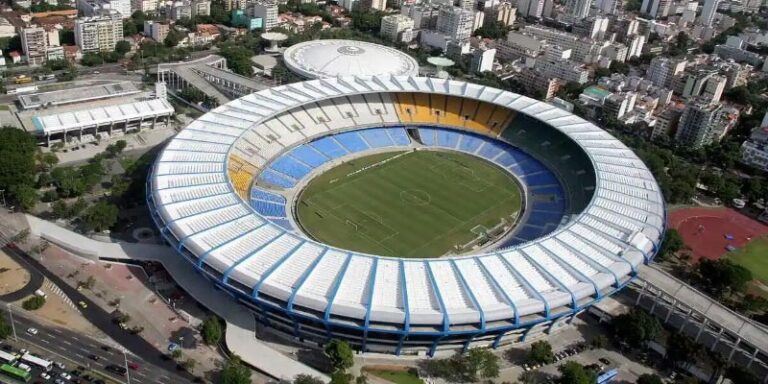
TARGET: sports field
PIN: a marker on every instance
(409, 204)
(753, 256)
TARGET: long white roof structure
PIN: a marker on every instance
(75, 120)
(332, 58)
(197, 203)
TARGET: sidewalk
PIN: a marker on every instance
(240, 335)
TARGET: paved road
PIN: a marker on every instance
(35, 281)
(100, 318)
(74, 349)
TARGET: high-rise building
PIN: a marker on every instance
(608, 7)
(578, 9)
(504, 13)
(456, 23)
(655, 8)
(708, 12)
(267, 11)
(367, 5)
(482, 59)
(663, 69)
(34, 42)
(145, 6)
(99, 33)
(95, 7)
(531, 8)
(201, 8)
(466, 4)
(393, 25)
(636, 44)
(158, 31)
(424, 15)
(478, 20)
(702, 123)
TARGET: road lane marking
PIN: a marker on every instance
(45, 341)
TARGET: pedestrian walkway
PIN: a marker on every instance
(57, 291)
(240, 335)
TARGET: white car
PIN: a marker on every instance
(60, 365)
(66, 376)
(32, 331)
(45, 376)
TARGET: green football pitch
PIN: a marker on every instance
(409, 204)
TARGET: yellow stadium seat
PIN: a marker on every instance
(241, 173)
(499, 119)
(423, 113)
(453, 112)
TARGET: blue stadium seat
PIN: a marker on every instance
(469, 143)
(541, 178)
(308, 155)
(260, 194)
(283, 223)
(427, 136)
(351, 141)
(548, 190)
(377, 138)
(275, 178)
(491, 149)
(550, 206)
(447, 139)
(529, 232)
(542, 219)
(399, 135)
(529, 167)
(268, 209)
(288, 166)
(329, 147)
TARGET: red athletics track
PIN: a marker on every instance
(704, 230)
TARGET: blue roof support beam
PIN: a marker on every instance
(499, 289)
(273, 267)
(229, 270)
(594, 264)
(472, 297)
(581, 276)
(335, 289)
(303, 278)
(607, 252)
(519, 276)
(184, 239)
(201, 259)
(371, 287)
(406, 311)
(550, 277)
(446, 320)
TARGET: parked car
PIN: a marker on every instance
(32, 331)
(60, 365)
(65, 376)
(45, 376)
(94, 357)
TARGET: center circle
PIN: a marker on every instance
(413, 203)
(350, 50)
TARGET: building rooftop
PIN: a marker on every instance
(332, 58)
(77, 95)
(46, 125)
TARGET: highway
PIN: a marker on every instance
(100, 318)
(76, 350)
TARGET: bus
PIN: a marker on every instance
(7, 358)
(22, 79)
(15, 373)
(28, 88)
(44, 364)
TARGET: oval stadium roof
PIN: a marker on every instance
(332, 58)
(193, 199)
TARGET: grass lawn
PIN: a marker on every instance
(397, 377)
(409, 204)
(753, 256)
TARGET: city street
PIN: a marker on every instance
(75, 350)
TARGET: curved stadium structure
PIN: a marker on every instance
(222, 192)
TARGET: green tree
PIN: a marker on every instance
(78, 207)
(541, 353)
(575, 373)
(211, 330)
(341, 377)
(17, 164)
(466, 368)
(5, 328)
(25, 196)
(122, 47)
(648, 378)
(176, 354)
(681, 349)
(307, 379)
(530, 377)
(129, 28)
(173, 38)
(635, 327)
(91, 59)
(234, 372)
(673, 243)
(100, 216)
(33, 303)
(340, 355)
(722, 278)
(60, 209)
(599, 341)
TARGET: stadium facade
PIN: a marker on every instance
(221, 190)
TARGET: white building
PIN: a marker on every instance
(482, 59)
(702, 123)
(90, 8)
(455, 23)
(368, 5)
(754, 151)
(636, 45)
(578, 9)
(101, 33)
(392, 26)
(655, 8)
(708, 12)
(531, 8)
(146, 6)
(6, 28)
(267, 11)
(663, 69)
(34, 42)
